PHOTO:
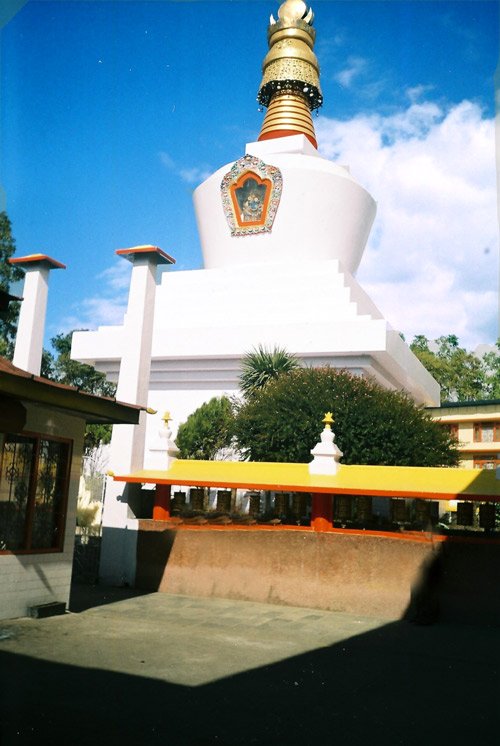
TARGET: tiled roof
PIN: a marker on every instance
(18, 383)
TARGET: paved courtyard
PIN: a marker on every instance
(157, 669)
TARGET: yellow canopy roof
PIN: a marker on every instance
(403, 481)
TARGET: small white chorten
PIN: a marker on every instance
(163, 450)
(326, 454)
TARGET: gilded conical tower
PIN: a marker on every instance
(290, 84)
(281, 202)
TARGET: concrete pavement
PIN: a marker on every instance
(160, 669)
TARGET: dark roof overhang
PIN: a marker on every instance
(20, 385)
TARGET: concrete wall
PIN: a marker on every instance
(31, 579)
(389, 578)
(365, 575)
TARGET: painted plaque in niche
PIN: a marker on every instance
(179, 499)
(422, 511)
(364, 508)
(224, 501)
(254, 505)
(299, 504)
(343, 507)
(251, 192)
(465, 515)
(399, 510)
(487, 515)
(197, 498)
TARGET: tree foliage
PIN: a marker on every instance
(462, 375)
(262, 365)
(207, 431)
(283, 421)
(491, 362)
(83, 377)
(8, 275)
(61, 368)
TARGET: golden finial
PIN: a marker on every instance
(328, 420)
(166, 417)
(290, 84)
(294, 10)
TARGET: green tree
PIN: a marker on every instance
(372, 425)
(8, 275)
(83, 377)
(61, 368)
(207, 431)
(262, 365)
(491, 362)
(461, 375)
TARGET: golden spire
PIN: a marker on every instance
(290, 84)
(328, 420)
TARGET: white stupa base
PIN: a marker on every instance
(206, 320)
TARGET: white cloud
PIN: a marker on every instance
(167, 160)
(431, 264)
(188, 174)
(116, 277)
(355, 66)
(108, 305)
(415, 93)
(103, 311)
(195, 175)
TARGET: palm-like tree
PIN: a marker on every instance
(261, 365)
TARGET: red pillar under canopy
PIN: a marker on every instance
(322, 512)
(161, 508)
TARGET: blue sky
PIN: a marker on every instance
(113, 112)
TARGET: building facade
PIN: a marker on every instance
(42, 427)
(476, 427)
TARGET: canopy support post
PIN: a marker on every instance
(322, 512)
(161, 508)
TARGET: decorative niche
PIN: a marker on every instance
(251, 193)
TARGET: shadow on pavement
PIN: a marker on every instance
(398, 684)
(83, 597)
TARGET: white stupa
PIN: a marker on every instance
(282, 231)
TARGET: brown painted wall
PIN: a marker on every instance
(368, 575)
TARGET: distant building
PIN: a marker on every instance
(476, 427)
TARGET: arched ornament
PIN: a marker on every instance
(251, 193)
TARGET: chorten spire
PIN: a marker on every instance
(290, 84)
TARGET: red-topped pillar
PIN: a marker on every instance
(31, 325)
(128, 441)
(135, 364)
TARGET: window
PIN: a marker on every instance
(33, 491)
(486, 432)
(453, 430)
(480, 462)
